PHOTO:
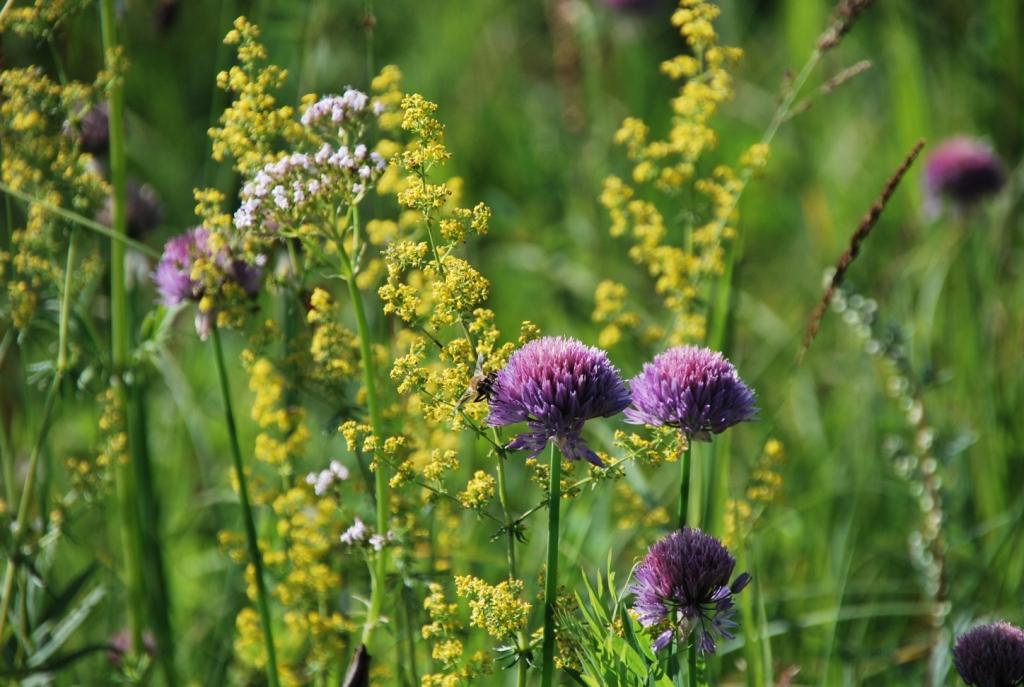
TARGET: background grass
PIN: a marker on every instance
(531, 136)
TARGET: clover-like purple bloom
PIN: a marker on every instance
(694, 389)
(964, 170)
(682, 588)
(556, 384)
(991, 655)
(174, 273)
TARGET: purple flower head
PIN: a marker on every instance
(555, 385)
(173, 275)
(964, 170)
(175, 279)
(694, 389)
(991, 656)
(682, 587)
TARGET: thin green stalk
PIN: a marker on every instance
(74, 217)
(160, 602)
(119, 329)
(522, 642)
(692, 677)
(551, 576)
(379, 571)
(685, 466)
(26, 498)
(410, 633)
(720, 314)
(250, 525)
(44, 426)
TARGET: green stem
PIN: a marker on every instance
(380, 479)
(721, 311)
(80, 220)
(119, 329)
(510, 550)
(26, 498)
(250, 525)
(44, 426)
(685, 461)
(692, 677)
(551, 576)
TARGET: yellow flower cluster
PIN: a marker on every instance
(610, 310)
(300, 558)
(284, 434)
(681, 247)
(93, 478)
(631, 511)
(479, 490)
(497, 609)
(663, 444)
(763, 489)
(444, 630)
(449, 338)
(253, 125)
(333, 348)
(42, 18)
(40, 158)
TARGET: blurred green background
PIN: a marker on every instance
(532, 93)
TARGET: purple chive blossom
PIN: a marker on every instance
(556, 385)
(694, 389)
(991, 656)
(174, 273)
(963, 170)
(682, 588)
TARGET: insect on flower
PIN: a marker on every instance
(480, 387)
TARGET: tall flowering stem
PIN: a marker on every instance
(119, 329)
(510, 549)
(551, 576)
(555, 385)
(380, 479)
(250, 526)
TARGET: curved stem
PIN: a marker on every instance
(250, 526)
(551, 576)
(380, 479)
